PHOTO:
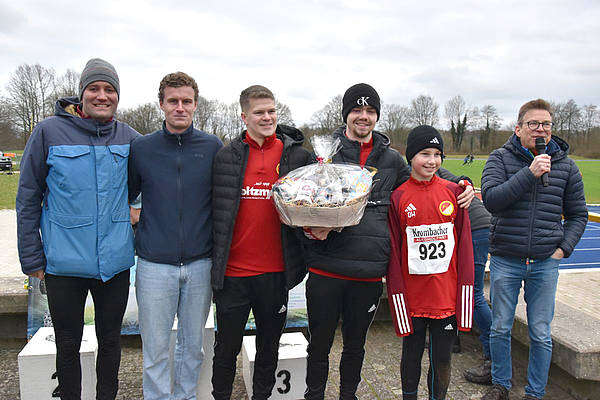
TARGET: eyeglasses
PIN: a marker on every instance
(533, 125)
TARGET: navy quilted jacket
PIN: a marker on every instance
(527, 217)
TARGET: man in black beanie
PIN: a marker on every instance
(73, 188)
(346, 267)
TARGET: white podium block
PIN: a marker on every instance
(204, 385)
(37, 365)
(290, 382)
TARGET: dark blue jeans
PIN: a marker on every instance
(482, 313)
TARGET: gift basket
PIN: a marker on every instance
(323, 194)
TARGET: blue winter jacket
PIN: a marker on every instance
(73, 186)
(174, 174)
(526, 216)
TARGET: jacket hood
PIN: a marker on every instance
(67, 108)
(557, 148)
(293, 133)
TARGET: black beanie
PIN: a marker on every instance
(95, 70)
(359, 95)
(423, 137)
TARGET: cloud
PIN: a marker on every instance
(499, 53)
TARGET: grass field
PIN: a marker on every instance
(590, 170)
(8, 190)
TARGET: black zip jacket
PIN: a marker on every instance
(174, 174)
(362, 251)
(228, 177)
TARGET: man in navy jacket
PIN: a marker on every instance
(528, 238)
(172, 169)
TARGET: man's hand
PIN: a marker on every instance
(38, 274)
(558, 254)
(317, 233)
(134, 215)
(540, 165)
(466, 197)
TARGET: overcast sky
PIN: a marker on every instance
(491, 52)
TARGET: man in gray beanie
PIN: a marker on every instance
(73, 188)
(98, 70)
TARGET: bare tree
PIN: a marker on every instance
(460, 117)
(489, 122)
(8, 138)
(424, 111)
(572, 118)
(204, 113)
(328, 118)
(67, 85)
(284, 114)
(144, 118)
(590, 118)
(30, 89)
(233, 123)
(395, 122)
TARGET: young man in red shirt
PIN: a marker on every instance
(256, 259)
(430, 274)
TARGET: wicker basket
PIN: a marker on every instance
(327, 217)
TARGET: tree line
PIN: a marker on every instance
(32, 91)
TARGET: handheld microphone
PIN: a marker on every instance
(540, 148)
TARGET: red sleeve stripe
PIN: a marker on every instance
(466, 320)
(401, 314)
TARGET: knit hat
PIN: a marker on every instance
(95, 70)
(423, 137)
(359, 95)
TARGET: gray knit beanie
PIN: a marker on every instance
(98, 70)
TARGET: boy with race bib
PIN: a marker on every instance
(430, 273)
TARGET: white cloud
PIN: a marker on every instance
(497, 52)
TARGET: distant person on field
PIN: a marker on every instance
(528, 192)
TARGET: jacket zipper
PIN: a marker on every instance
(180, 199)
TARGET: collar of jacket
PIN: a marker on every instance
(557, 148)
(287, 134)
(350, 150)
(174, 136)
(64, 108)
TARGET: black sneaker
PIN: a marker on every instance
(496, 392)
(530, 397)
(481, 373)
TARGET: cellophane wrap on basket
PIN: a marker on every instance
(323, 194)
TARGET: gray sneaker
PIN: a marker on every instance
(481, 373)
(496, 392)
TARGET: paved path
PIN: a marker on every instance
(381, 372)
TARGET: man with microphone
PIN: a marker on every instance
(528, 185)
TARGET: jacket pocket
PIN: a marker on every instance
(71, 242)
(120, 236)
(71, 167)
(119, 155)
